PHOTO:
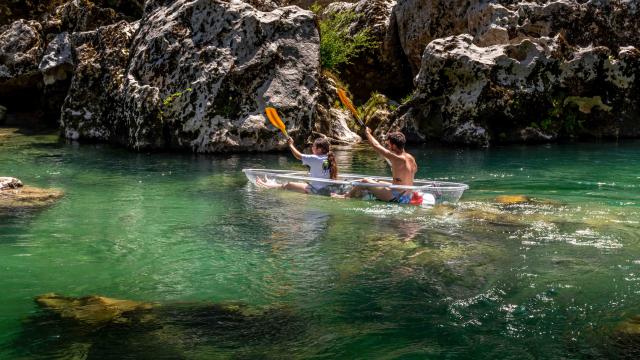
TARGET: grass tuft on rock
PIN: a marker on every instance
(337, 45)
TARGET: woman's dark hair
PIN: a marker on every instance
(323, 145)
(397, 139)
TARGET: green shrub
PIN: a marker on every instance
(337, 45)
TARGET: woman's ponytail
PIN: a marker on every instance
(333, 166)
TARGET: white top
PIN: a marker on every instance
(317, 165)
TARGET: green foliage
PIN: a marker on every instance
(315, 8)
(169, 99)
(337, 45)
(407, 98)
(375, 102)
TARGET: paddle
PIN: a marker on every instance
(345, 100)
(275, 120)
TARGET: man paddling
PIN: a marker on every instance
(403, 169)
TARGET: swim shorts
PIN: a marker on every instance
(401, 197)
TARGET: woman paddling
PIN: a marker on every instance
(322, 164)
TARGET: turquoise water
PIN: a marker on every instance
(553, 278)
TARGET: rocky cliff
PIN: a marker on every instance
(197, 74)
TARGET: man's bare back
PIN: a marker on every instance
(404, 169)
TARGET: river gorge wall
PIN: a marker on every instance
(196, 75)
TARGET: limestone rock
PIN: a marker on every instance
(420, 21)
(473, 94)
(9, 183)
(95, 95)
(331, 121)
(11, 10)
(21, 47)
(609, 23)
(233, 61)
(81, 15)
(57, 63)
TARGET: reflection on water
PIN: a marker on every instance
(551, 276)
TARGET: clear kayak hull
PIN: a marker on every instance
(433, 192)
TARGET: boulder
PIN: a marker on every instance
(11, 10)
(82, 15)
(96, 91)
(21, 48)
(610, 23)
(198, 76)
(469, 94)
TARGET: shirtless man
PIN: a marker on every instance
(403, 168)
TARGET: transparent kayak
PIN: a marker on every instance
(431, 192)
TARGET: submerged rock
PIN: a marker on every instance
(115, 328)
(93, 310)
(15, 196)
(512, 199)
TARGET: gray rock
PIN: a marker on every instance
(21, 47)
(82, 15)
(330, 121)
(480, 94)
(95, 98)
(9, 183)
(199, 77)
(57, 63)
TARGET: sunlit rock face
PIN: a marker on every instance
(507, 71)
(198, 77)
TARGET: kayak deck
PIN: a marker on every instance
(442, 191)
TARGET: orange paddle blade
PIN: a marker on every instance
(345, 100)
(275, 120)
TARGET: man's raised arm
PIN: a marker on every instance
(378, 147)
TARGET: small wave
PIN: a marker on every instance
(542, 232)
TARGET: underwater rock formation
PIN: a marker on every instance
(102, 327)
(15, 196)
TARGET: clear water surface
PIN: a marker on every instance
(554, 278)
